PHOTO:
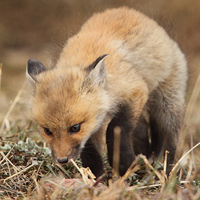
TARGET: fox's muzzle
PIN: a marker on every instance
(65, 158)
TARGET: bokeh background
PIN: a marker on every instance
(39, 28)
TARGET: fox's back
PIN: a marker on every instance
(133, 42)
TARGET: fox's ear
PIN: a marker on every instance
(97, 74)
(34, 67)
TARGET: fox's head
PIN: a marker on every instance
(69, 104)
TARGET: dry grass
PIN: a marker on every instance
(26, 167)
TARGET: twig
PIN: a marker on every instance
(39, 169)
(60, 167)
(116, 153)
(29, 126)
(98, 180)
(189, 173)
(197, 195)
(7, 154)
(143, 187)
(154, 185)
(189, 112)
(5, 188)
(165, 162)
(8, 167)
(174, 169)
(133, 168)
(77, 167)
(192, 156)
(20, 172)
(2, 153)
(193, 99)
(162, 180)
(83, 174)
(12, 106)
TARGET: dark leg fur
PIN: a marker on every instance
(124, 120)
(140, 138)
(131, 138)
(91, 158)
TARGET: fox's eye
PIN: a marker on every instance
(48, 132)
(76, 128)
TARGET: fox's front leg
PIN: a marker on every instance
(91, 155)
(123, 120)
(140, 137)
(126, 118)
(91, 158)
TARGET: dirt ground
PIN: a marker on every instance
(38, 29)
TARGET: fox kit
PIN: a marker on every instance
(120, 63)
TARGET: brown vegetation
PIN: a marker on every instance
(38, 29)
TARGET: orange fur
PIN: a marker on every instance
(143, 64)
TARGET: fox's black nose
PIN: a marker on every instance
(62, 160)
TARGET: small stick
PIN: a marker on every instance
(189, 111)
(5, 156)
(29, 126)
(98, 180)
(165, 162)
(77, 167)
(193, 99)
(116, 153)
(162, 180)
(85, 173)
(7, 160)
(63, 170)
(19, 172)
(39, 169)
(8, 167)
(132, 168)
(85, 178)
(12, 106)
(189, 173)
(180, 160)
(143, 187)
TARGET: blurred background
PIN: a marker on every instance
(39, 28)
